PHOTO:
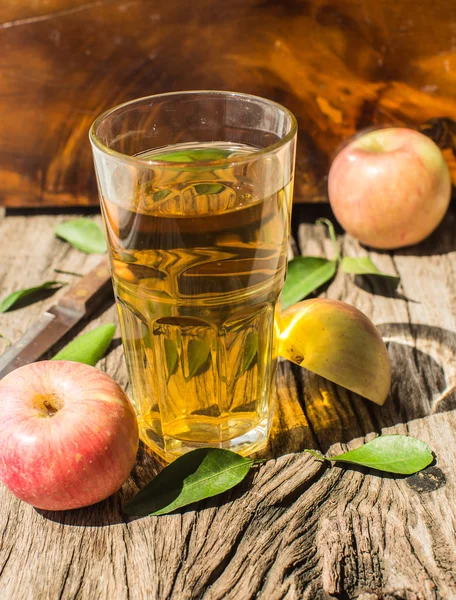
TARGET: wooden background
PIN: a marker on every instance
(339, 65)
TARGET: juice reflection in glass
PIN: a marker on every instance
(196, 193)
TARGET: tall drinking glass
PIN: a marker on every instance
(196, 193)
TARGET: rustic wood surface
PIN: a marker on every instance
(295, 528)
(339, 65)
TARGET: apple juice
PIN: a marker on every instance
(199, 261)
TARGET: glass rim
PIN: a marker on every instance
(99, 145)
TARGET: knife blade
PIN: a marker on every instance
(81, 300)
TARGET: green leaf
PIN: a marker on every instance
(126, 257)
(7, 340)
(83, 234)
(318, 455)
(363, 265)
(208, 188)
(198, 357)
(250, 353)
(160, 195)
(197, 475)
(332, 235)
(193, 155)
(15, 297)
(89, 347)
(390, 453)
(305, 275)
(172, 357)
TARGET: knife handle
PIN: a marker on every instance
(88, 293)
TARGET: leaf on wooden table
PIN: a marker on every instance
(29, 294)
(83, 234)
(400, 454)
(363, 265)
(199, 357)
(305, 275)
(89, 347)
(197, 475)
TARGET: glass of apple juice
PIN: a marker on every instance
(196, 195)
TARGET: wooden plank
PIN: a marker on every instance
(340, 66)
(295, 528)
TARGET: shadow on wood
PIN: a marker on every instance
(315, 413)
(380, 286)
(109, 511)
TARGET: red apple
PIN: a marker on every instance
(390, 187)
(68, 434)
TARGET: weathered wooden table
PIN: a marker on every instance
(295, 528)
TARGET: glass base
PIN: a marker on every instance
(169, 448)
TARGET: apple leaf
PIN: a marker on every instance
(199, 357)
(197, 475)
(305, 275)
(400, 454)
(193, 155)
(29, 294)
(208, 188)
(332, 235)
(207, 472)
(172, 357)
(89, 347)
(363, 265)
(250, 354)
(83, 234)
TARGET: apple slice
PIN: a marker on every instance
(338, 342)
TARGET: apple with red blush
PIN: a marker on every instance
(390, 188)
(68, 434)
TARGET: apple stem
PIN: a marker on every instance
(50, 409)
(332, 235)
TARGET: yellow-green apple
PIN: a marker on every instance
(68, 434)
(390, 187)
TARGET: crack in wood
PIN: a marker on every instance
(56, 14)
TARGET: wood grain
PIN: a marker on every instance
(339, 65)
(295, 529)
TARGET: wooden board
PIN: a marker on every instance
(339, 65)
(295, 529)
